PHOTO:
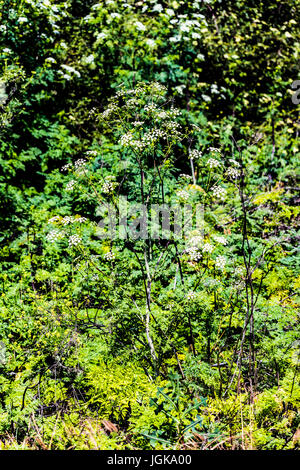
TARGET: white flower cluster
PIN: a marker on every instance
(91, 153)
(109, 110)
(68, 219)
(162, 115)
(109, 256)
(150, 108)
(126, 139)
(54, 219)
(74, 240)
(239, 271)
(80, 163)
(66, 167)
(137, 123)
(184, 176)
(70, 185)
(55, 235)
(70, 70)
(207, 247)
(182, 194)
(219, 192)
(150, 42)
(213, 163)
(174, 112)
(101, 36)
(152, 136)
(194, 154)
(108, 187)
(132, 103)
(234, 162)
(173, 126)
(158, 88)
(232, 173)
(194, 253)
(220, 262)
(214, 149)
(196, 240)
(140, 26)
(209, 282)
(220, 239)
(191, 295)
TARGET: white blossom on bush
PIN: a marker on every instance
(233, 173)
(220, 262)
(70, 185)
(182, 194)
(191, 295)
(207, 247)
(220, 239)
(213, 163)
(74, 240)
(55, 235)
(194, 154)
(219, 192)
(109, 256)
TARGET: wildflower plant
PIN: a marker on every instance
(150, 138)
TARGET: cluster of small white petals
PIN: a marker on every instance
(80, 220)
(194, 253)
(213, 163)
(194, 154)
(109, 110)
(108, 187)
(74, 240)
(214, 149)
(196, 240)
(140, 26)
(233, 173)
(184, 176)
(220, 262)
(54, 219)
(150, 42)
(191, 295)
(67, 220)
(207, 247)
(79, 163)
(138, 144)
(158, 88)
(126, 139)
(66, 167)
(174, 112)
(70, 185)
(182, 194)
(209, 282)
(132, 103)
(234, 162)
(55, 235)
(152, 136)
(162, 115)
(137, 123)
(220, 239)
(150, 108)
(91, 153)
(109, 256)
(219, 192)
(173, 126)
(239, 271)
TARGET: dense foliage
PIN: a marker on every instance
(143, 339)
